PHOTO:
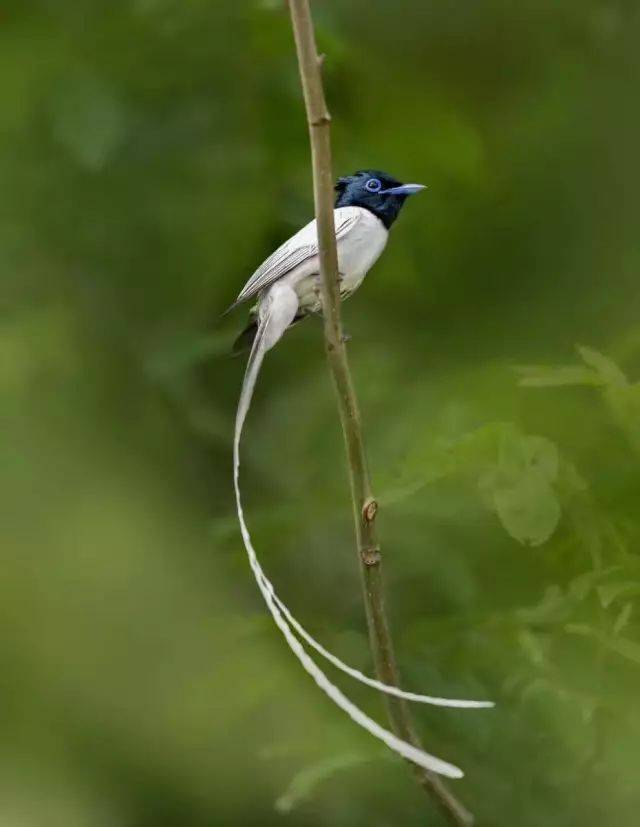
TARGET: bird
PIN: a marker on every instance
(287, 289)
(366, 206)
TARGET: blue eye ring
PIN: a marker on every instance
(373, 185)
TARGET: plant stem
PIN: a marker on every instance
(364, 504)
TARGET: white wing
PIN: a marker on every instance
(299, 248)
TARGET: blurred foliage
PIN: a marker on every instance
(152, 153)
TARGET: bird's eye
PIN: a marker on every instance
(373, 185)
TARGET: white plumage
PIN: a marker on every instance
(360, 237)
(287, 286)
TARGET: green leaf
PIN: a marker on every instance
(582, 585)
(533, 646)
(610, 592)
(624, 403)
(520, 454)
(477, 449)
(305, 782)
(606, 368)
(514, 474)
(428, 469)
(542, 456)
(624, 647)
(519, 487)
(555, 606)
(529, 510)
(569, 480)
(622, 619)
(548, 376)
(512, 454)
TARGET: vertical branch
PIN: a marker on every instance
(364, 505)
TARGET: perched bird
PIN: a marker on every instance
(287, 289)
(367, 204)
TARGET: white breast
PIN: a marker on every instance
(358, 250)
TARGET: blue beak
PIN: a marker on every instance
(403, 189)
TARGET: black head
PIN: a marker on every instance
(376, 191)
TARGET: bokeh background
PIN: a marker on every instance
(152, 153)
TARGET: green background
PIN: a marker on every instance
(152, 153)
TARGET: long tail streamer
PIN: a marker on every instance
(284, 620)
